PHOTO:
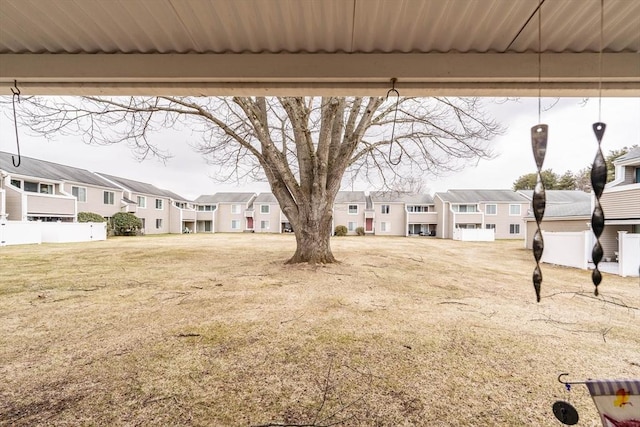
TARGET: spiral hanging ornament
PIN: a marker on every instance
(598, 181)
(539, 145)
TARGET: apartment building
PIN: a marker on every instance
(393, 213)
(229, 212)
(161, 211)
(500, 210)
(41, 190)
(38, 190)
(349, 210)
(267, 215)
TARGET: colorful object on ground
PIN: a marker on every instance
(618, 401)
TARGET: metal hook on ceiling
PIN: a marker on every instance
(395, 114)
(16, 93)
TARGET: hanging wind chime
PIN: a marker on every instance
(598, 172)
(539, 135)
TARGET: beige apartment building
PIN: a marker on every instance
(349, 210)
(161, 211)
(267, 215)
(500, 210)
(38, 190)
(395, 213)
(46, 191)
(230, 212)
(41, 190)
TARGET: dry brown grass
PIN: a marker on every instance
(215, 330)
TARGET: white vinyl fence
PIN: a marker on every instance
(571, 249)
(474, 234)
(20, 233)
(628, 254)
(29, 232)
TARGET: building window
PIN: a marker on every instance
(159, 223)
(235, 209)
(353, 209)
(31, 186)
(492, 209)
(418, 208)
(159, 204)
(514, 209)
(490, 227)
(351, 226)
(465, 208)
(142, 202)
(80, 193)
(384, 209)
(208, 208)
(46, 188)
(385, 226)
(637, 175)
(16, 183)
(264, 225)
(235, 224)
(514, 228)
(108, 197)
(265, 209)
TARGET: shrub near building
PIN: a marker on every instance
(90, 217)
(125, 224)
(341, 230)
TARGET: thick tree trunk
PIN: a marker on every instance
(313, 238)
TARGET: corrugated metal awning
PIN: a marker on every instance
(223, 47)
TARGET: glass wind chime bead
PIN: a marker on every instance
(598, 181)
(539, 145)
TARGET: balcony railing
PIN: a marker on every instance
(50, 205)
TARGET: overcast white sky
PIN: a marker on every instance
(572, 146)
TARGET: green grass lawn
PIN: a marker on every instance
(215, 330)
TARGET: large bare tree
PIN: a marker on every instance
(303, 146)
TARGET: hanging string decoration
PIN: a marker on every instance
(539, 135)
(598, 173)
(539, 146)
(598, 181)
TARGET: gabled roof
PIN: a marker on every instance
(561, 196)
(143, 187)
(633, 154)
(225, 198)
(477, 196)
(350, 197)
(51, 171)
(401, 197)
(578, 209)
(265, 198)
